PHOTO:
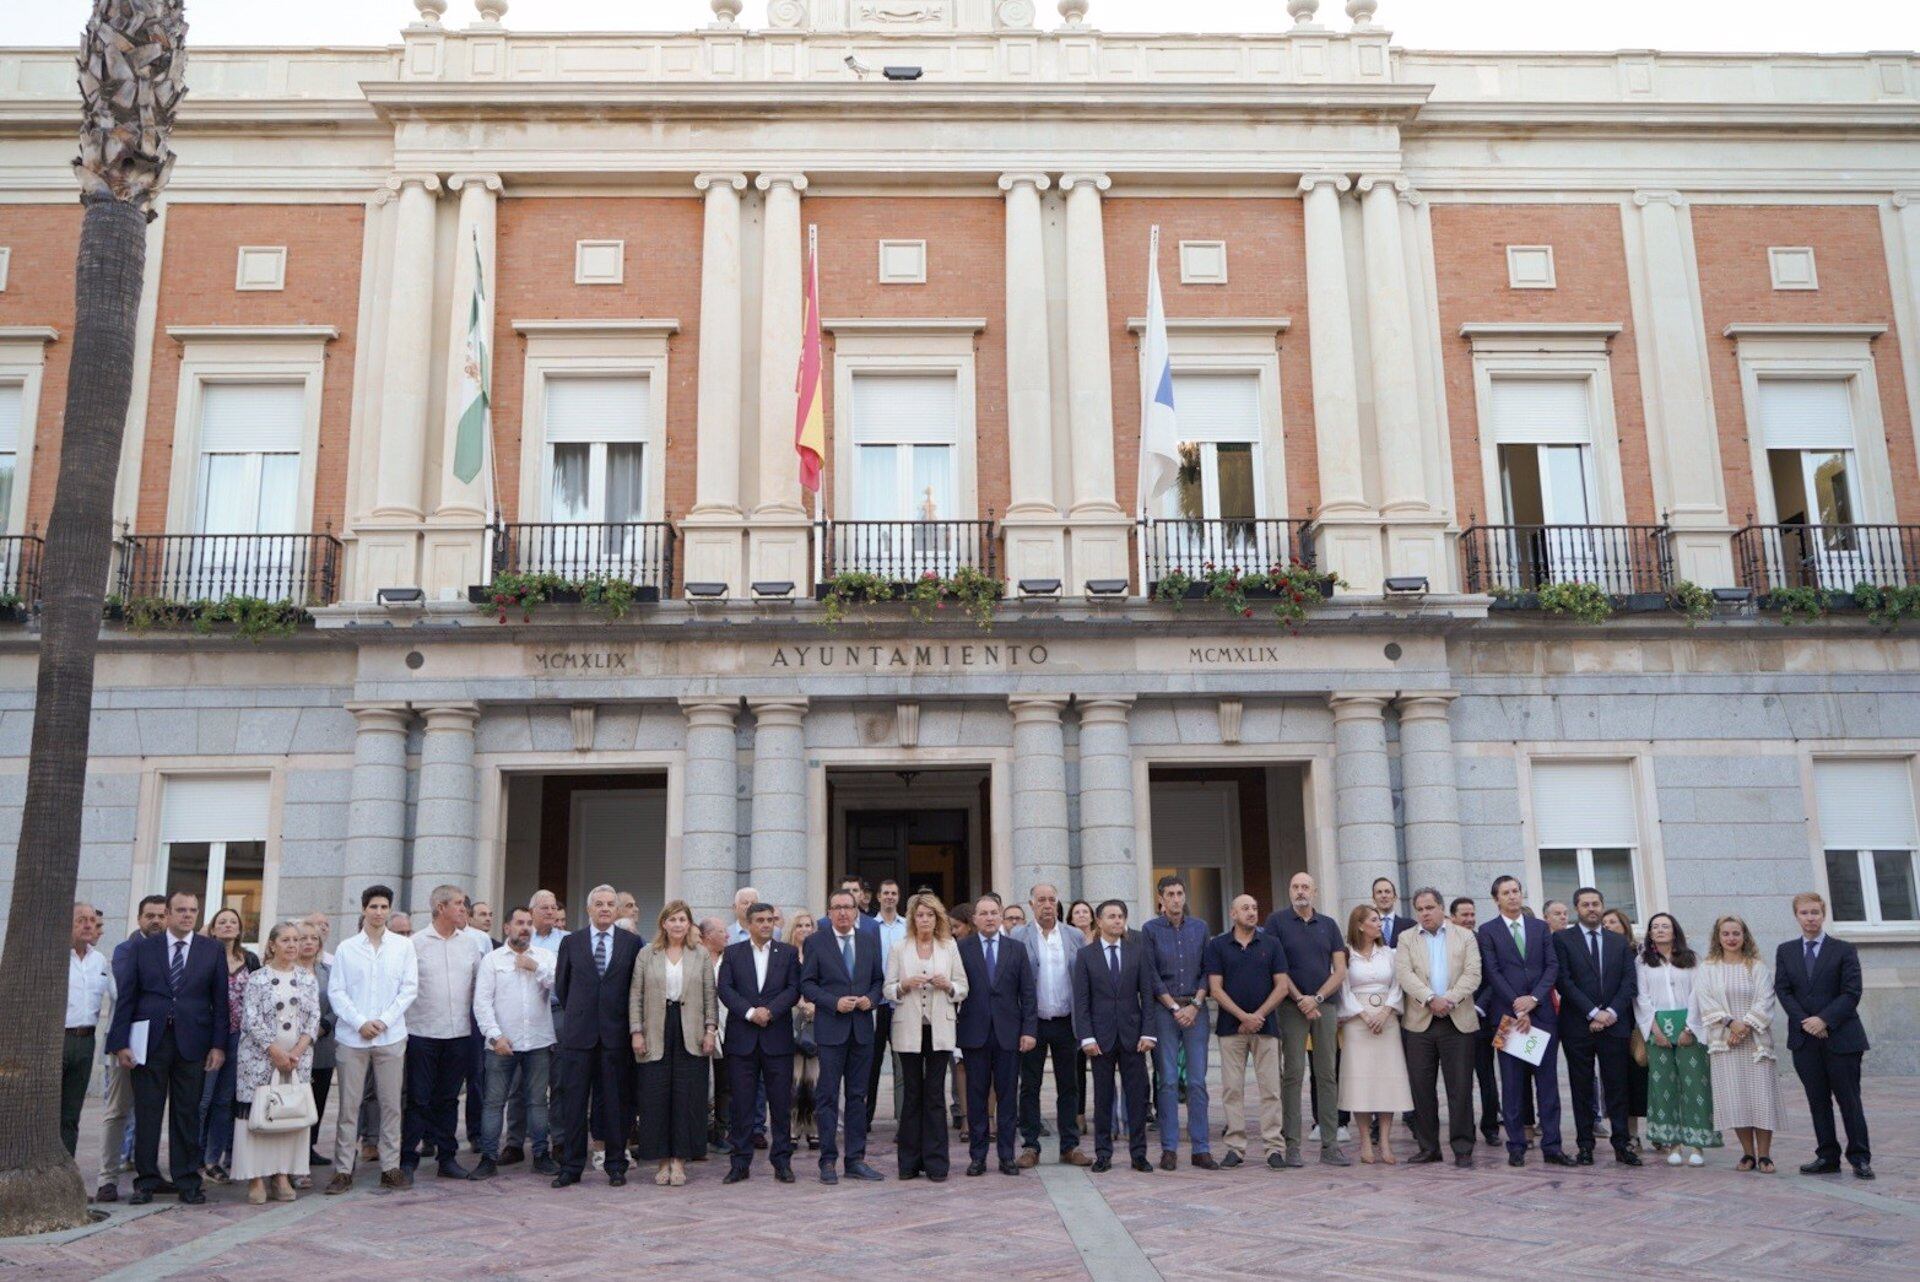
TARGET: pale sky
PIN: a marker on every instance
(1744, 25)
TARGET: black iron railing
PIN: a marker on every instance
(1619, 559)
(20, 567)
(1197, 548)
(1837, 558)
(639, 552)
(303, 569)
(904, 550)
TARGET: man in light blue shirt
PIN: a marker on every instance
(893, 928)
(743, 899)
(1438, 968)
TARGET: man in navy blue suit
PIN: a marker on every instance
(998, 1024)
(1517, 958)
(1817, 979)
(175, 983)
(841, 974)
(1596, 1006)
(1113, 998)
(593, 1068)
(759, 982)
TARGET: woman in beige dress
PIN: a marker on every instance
(1733, 1002)
(1373, 1065)
(281, 1019)
(926, 983)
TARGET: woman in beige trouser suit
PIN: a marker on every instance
(674, 1016)
(926, 983)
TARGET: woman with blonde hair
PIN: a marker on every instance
(926, 982)
(280, 1020)
(806, 1052)
(1733, 1002)
(1373, 1063)
(675, 1019)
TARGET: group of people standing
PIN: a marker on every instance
(647, 1047)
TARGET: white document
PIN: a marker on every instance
(137, 1040)
(1529, 1047)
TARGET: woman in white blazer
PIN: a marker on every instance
(926, 983)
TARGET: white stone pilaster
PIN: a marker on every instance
(1040, 849)
(377, 802)
(398, 492)
(454, 554)
(1362, 797)
(444, 848)
(1098, 527)
(714, 527)
(1032, 527)
(780, 800)
(1429, 794)
(708, 868)
(777, 539)
(1108, 869)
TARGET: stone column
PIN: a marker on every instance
(1430, 794)
(1089, 355)
(710, 795)
(1039, 795)
(1108, 868)
(409, 342)
(713, 527)
(377, 805)
(1362, 799)
(783, 259)
(1679, 399)
(1396, 401)
(1034, 533)
(780, 800)
(444, 849)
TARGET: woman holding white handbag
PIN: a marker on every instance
(275, 1069)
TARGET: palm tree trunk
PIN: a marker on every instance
(132, 64)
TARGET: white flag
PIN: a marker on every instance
(1159, 425)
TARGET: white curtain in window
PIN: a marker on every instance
(1865, 805)
(12, 397)
(1584, 803)
(213, 808)
(1541, 411)
(1806, 414)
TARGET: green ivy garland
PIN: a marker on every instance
(1692, 601)
(254, 618)
(1294, 585)
(1887, 606)
(1800, 605)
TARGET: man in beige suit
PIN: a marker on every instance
(1438, 967)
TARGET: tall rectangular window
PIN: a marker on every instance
(906, 448)
(12, 397)
(597, 433)
(1806, 425)
(213, 842)
(1867, 834)
(1213, 513)
(1587, 830)
(249, 470)
(1543, 431)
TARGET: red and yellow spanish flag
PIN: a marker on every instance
(809, 420)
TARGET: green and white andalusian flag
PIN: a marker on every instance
(470, 441)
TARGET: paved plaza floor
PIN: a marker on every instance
(1366, 1222)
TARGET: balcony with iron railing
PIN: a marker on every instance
(296, 569)
(20, 556)
(1196, 547)
(904, 551)
(1830, 558)
(636, 552)
(1621, 560)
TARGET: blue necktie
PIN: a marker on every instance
(1813, 954)
(600, 952)
(846, 953)
(178, 971)
(993, 942)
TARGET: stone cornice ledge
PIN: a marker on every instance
(904, 324)
(637, 327)
(1217, 324)
(29, 334)
(253, 333)
(1795, 329)
(1536, 336)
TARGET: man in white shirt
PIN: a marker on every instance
(548, 930)
(439, 1032)
(512, 995)
(373, 982)
(481, 933)
(116, 1133)
(1051, 945)
(88, 985)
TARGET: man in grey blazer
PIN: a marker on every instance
(1051, 946)
(1113, 998)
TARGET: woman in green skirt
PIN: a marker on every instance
(1679, 1077)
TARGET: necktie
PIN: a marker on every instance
(178, 970)
(992, 956)
(1113, 961)
(1813, 954)
(846, 953)
(600, 951)
(1593, 946)
(1519, 930)
(1386, 931)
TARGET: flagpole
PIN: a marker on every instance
(1141, 529)
(819, 534)
(486, 390)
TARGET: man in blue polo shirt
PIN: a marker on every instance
(1247, 974)
(1317, 964)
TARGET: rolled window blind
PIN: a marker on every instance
(12, 396)
(252, 418)
(1584, 803)
(214, 808)
(1541, 411)
(921, 409)
(1806, 414)
(1217, 406)
(597, 408)
(1865, 805)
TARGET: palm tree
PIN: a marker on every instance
(132, 77)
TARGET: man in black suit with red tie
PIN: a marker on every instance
(593, 1073)
(998, 1023)
(174, 983)
(759, 983)
(1817, 979)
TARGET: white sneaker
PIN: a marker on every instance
(1314, 1134)
(1695, 1158)
(1676, 1157)
(1602, 1130)
(1344, 1137)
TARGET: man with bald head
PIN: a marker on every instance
(1050, 945)
(1246, 971)
(1317, 966)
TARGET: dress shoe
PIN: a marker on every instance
(617, 1179)
(1276, 1161)
(166, 1188)
(1143, 1165)
(316, 1158)
(140, 1198)
(1516, 1159)
(566, 1179)
(941, 1178)
(760, 1141)
(484, 1169)
(910, 1175)
(1863, 1170)
(406, 1177)
(1230, 1161)
(1029, 1157)
(1169, 1160)
(340, 1183)
(1584, 1157)
(976, 1167)
(369, 1152)
(1009, 1168)
(733, 1176)
(784, 1174)
(1423, 1159)
(1557, 1159)
(829, 1176)
(1463, 1160)
(813, 1143)
(1491, 1137)
(544, 1165)
(511, 1154)
(1101, 1165)
(192, 1197)
(394, 1179)
(1074, 1157)
(1626, 1157)
(109, 1192)
(452, 1170)
(859, 1170)
(1203, 1162)
(1818, 1167)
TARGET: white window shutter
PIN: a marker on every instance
(1541, 411)
(903, 409)
(12, 396)
(598, 408)
(252, 418)
(214, 808)
(1219, 407)
(1865, 805)
(1584, 803)
(1806, 414)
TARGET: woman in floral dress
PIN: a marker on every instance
(1679, 1082)
(276, 1036)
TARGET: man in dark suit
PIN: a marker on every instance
(1386, 898)
(759, 982)
(1596, 1018)
(1817, 979)
(1113, 997)
(1463, 913)
(841, 973)
(175, 983)
(593, 1072)
(998, 1023)
(1517, 958)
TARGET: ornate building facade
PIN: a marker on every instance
(1575, 377)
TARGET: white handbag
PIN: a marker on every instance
(283, 1104)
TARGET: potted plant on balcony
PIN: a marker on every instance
(1291, 587)
(970, 589)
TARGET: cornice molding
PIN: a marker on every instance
(1540, 336)
(904, 324)
(29, 334)
(637, 327)
(1797, 329)
(1261, 325)
(253, 333)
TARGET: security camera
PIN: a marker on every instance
(858, 67)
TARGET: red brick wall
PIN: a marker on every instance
(1590, 270)
(45, 240)
(1266, 275)
(1736, 285)
(966, 276)
(196, 288)
(662, 278)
